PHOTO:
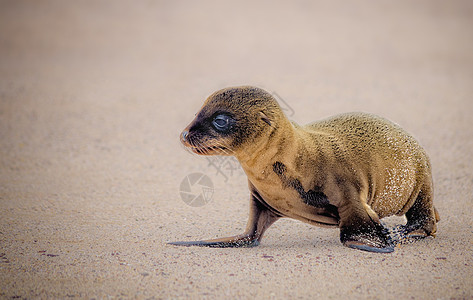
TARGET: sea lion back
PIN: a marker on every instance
(383, 151)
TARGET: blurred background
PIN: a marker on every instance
(403, 60)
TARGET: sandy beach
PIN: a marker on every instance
(93, 178)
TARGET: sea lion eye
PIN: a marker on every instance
(221, 122)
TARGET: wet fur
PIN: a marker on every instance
(349, 171)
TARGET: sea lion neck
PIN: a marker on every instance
(267, 147)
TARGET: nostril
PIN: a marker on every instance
(184, 135)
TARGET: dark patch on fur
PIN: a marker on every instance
(312, 197)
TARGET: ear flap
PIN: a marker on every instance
(265, 118)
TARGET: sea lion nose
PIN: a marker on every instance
(184, 135)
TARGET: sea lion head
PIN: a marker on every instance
(232, 120)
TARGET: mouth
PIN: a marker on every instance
(202, 148)
(207, 150)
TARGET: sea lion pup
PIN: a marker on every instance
(349, 171)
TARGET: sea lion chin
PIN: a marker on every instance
(347, 171)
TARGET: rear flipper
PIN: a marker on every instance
(260, 219)
(360, 227)
(372, 237)
(422, 217)
(419, 228)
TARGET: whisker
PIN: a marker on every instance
(187, 149)
(225, 149)
(206, 148)
(202, 148)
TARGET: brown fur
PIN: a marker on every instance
(349, 171)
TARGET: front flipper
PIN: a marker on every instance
(234, 241)
(261, 217)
